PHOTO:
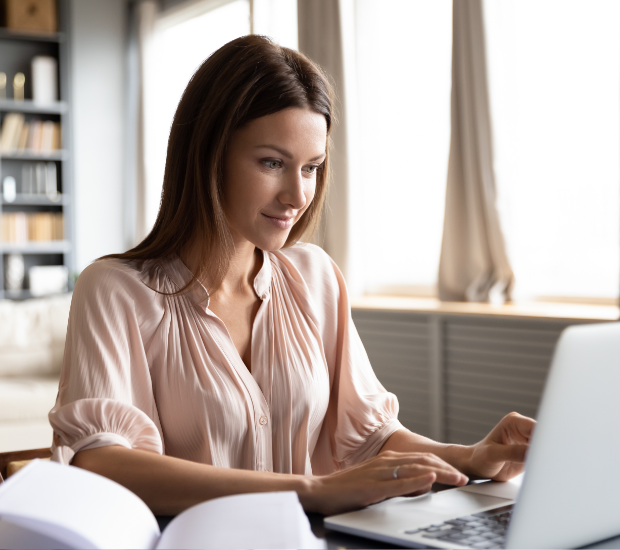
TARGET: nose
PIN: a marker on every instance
(293, 193)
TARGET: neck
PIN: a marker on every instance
(244, 265)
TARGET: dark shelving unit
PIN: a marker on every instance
(16, 51)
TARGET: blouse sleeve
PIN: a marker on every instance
(105, 395)
(361, 414)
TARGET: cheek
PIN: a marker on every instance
(244, 189)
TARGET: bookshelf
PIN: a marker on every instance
(16, 52)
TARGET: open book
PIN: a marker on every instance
(46, 505)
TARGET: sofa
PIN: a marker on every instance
(32, 340)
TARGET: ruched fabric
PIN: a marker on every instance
(147, 370)
(91, 423)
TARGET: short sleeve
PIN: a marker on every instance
(361, 414)
(105, 395)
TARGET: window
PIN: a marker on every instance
(554, 80)
(403, 58)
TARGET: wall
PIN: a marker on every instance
(97, 62)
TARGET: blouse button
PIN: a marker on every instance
(262, 420)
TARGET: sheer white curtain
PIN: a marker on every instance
(554, 75)
(473, 265)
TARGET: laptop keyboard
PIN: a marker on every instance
(484, 530)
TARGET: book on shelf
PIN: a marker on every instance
(35, 136)
(46, 505)
(23, 227)
(40, 178)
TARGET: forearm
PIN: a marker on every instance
(170, 485)
(404, 441)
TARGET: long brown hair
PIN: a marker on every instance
(246, 79)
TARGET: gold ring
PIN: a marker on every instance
(395, 472)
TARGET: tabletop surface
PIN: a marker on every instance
(336, 540)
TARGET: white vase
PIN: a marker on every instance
(15, 271)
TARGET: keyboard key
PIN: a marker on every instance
(475, 524)
(470, 531)
(412, 531)
(476, 538)
(435, 535)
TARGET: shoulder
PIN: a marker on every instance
(322, 278)
(108, 273)
(111, 281)
(313, 263)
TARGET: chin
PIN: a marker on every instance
(271, 244)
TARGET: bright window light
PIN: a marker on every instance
(178, 50)
(403, 55)
(554, 76)
(277, 19)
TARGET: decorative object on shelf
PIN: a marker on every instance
(15, 271)
(19, 82)
(48, 279)
(44, 79)
(31, 15)
(9, 189)
(2, 85)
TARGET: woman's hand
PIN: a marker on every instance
(374, 481)
(501, 454)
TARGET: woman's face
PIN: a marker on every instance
(270, 175)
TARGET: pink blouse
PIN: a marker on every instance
(150, 371)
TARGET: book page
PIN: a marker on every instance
(75, 507)
(256, 520)
(18, 537)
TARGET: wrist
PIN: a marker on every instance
(460, 456)
(307, 488)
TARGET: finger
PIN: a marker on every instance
(414, 485)
(444, 473)
(518, 427)
(428, 459)
(507, 453)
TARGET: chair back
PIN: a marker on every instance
(14, 460)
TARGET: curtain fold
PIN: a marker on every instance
(474, 265)
(320, 38)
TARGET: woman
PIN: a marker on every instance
(218, 356)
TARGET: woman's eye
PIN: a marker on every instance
(311, 169)
(272, 164)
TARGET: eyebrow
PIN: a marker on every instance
(286, 153)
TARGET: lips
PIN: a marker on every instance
(281, 222)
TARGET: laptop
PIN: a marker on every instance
(569, 495)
